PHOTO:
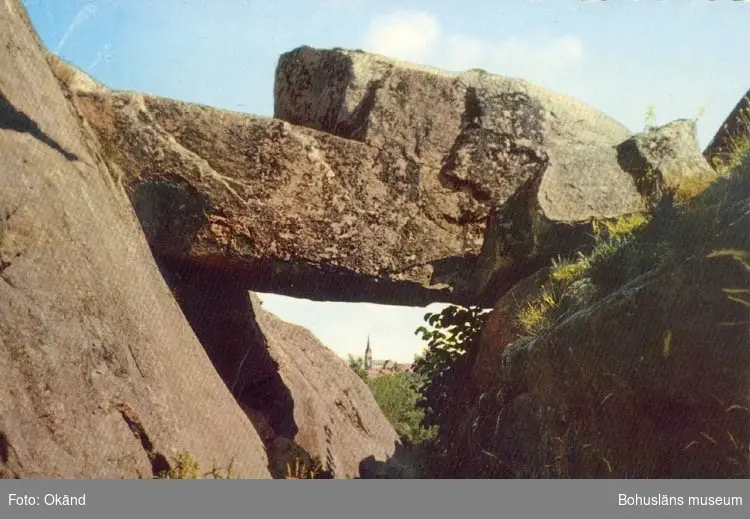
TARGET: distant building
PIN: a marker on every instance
(382, 367)
(368, 355)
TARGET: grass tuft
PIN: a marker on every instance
(537, 316)
(299, 469)
(185, 466)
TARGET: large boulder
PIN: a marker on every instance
(667, 158)
(396, 214)
(286, 209)
(535, 162)
(412, 205)
(338, 419)
(102, 377)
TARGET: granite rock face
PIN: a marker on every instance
(102, 377)
(643, 366)
(338, 420)
(665, 159)
(527, 166)
(378, 181)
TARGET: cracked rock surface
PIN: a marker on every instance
(375, 182)
(524, 167)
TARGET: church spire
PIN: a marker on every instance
(368, 354)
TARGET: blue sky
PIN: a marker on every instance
(684, 57)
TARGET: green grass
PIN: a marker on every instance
(619, 227)
(299, 469)
(538, 316)
(611, 237)
(185, 466)
(740, 149)
(569, 270)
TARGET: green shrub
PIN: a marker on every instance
(567, 270)
(444, 368)
(184, 466)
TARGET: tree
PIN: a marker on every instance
(357, 364)
(452, 336)
(397, 397)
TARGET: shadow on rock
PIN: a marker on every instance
(408, 462)
(221, 315)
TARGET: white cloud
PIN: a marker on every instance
(417, 36)
(530, 57)
(465, 52)
(408, 35)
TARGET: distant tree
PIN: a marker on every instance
(357, 364)
(397, 397)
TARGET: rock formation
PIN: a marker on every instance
(338, 420)
(643, 368)
(391, 207)
(306, 401)
(667, 158)
(544, 161)
(664, 161)
(102, 377)
(377, 181)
